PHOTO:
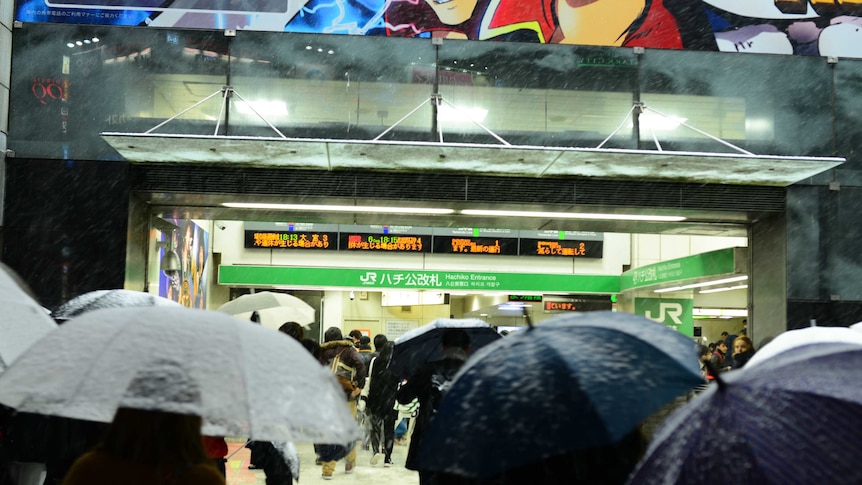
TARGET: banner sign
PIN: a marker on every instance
(373, 279)
(713, 263)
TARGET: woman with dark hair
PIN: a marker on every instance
(379, 398)
(145, 448)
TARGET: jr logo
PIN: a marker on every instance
(665, 310)
(370, 278)
(676, 313)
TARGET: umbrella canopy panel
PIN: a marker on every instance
(571, 383)
(24, 321)
(100, 299)
(424, 344)
(244, 380)
(274, 308)
(794, 418)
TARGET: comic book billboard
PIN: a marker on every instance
(803, 27)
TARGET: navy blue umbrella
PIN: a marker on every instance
(792, 419)
(571, 383)
(424, 344)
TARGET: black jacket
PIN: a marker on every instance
(428, 385)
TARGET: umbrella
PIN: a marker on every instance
(792, 419)
(571, 383)
(99, 299)
(791, 340)
(243, 380)
(424, 344)
(24, 321)
(273, 308)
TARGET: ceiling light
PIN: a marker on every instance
(448, 113)
(79, 43)
(572, 215)
(655, 121)
(95, 39)
(719, 312)
(263, 108)
(87, 41)
(701, 285)
(728, 288)
(70, 44)
(338, 208)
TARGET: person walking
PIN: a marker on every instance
(146, 447)
(379, 398)
(428, 385)
(341, 356)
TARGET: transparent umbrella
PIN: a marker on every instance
(24, 320)
(792, 340)
(243, 380)
(273, 308)
(101, 299)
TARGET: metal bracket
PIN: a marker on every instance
(831, 60)
(638, 50)
(230, 33)
(17, 24)
(834, 186)
(436, 40)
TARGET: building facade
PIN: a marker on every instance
(236, 109)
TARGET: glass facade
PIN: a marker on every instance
(123, 79)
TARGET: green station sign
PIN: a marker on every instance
(713, 263)
(673, 312)
(415, 279)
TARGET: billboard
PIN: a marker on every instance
(802, 27)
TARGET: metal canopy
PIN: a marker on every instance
(512, 160)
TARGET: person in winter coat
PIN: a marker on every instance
(379, 398)
(146, 447)
(719, 357)
(336, 346)
(428, 385)
(743, 349)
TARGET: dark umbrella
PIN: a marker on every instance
(794, 418)
(424, 344)
(99, 299)
(571, 383)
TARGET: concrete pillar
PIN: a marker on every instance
(767, 279)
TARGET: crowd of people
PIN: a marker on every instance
(155, 447)
(730, 352)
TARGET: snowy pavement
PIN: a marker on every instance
(309, 473)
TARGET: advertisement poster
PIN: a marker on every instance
(803, 27)
(188, 285)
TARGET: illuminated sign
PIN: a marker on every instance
(525, 297)
(577, 305)
(290, 235)
(411, 239)
(393, 239)
(561, 243)
(291, 240)
(468, 240)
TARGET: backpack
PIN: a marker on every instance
(344, 373)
